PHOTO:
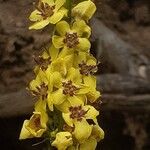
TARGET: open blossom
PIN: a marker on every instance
(87, 66)
(89, 88)
(67, 92)
(36, 125)
(85, 61)
(97, 134)
(63, 140)
(47, 12)
(72, 37)
(78, 118)
(50, 61)
(40, 86)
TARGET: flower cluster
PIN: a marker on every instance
(64, 84)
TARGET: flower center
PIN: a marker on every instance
(71, 39)
(41, 91)
(35, 123)
(87, 69)
(45, 9)
(69, 88)
(68, 128)
(43, 63)
(77, 112)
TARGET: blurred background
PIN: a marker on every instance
(120, 41)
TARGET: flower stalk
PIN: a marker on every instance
(65, 82)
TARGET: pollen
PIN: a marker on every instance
(71, 40)
(45, 9)
(87, 69)
(69, 88)
(41, 91)
(77, 112)
(42, 63)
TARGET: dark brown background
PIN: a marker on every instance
(120, 41)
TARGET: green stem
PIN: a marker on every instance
(69, 6)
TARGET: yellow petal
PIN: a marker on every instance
(74, 75)
(69, 61)
(84, 45)
(83, 90)
(57, 16)
(58, 41)
(92, 113)
(57, 97)
(33, 84)
(97, 133)
(35, 16)
(65, 51)
(91, 60)
(93, 95)
(40, 24)
(60, 66)
(90, 81)
(67, 119)
(59, 3)
(64, 106)
(56, 79)
(84, 10)
(24, 134)
(79, 58)
(63, 64)
(53, 52)
(62, 28)
(82, 130)
(82, 28)
(50, 103)
(40, 106)
(63, 140)
(75, 101)
(89, 144)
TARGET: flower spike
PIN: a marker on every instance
(65, 83)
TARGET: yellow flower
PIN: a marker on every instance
(40, 87)
(89, 88)
(43, 86)
(66, 93)
(47, 12)
(78, 118)
(44, 61)
(50, 60)
(97, 133)
(35, 127)
(86, 63)
(62, 64)
(89, 144)
(63, 140)
(72, 38)
(87, 66)
(84, 10)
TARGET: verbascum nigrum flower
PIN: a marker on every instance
(65, 83)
